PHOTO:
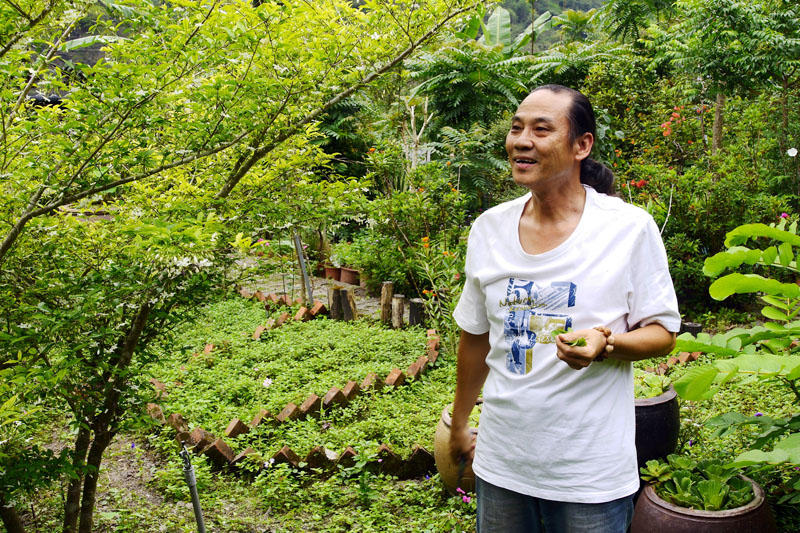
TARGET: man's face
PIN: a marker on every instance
(539, 148)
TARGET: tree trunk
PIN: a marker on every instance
(109, 413)
(716, 139)
(101, 440)
(533, 31)
(73, 500)
(9, 516)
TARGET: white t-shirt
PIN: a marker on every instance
(547, 430)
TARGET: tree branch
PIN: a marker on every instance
(238, 174)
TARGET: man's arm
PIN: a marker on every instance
(648, 341)
(471, 374)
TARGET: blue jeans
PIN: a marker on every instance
(505, 511)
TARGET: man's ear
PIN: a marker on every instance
(583, 146)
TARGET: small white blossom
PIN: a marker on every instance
(267, 382)
(25, 325)
(791, 152)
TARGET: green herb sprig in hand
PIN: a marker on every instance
(580, 341)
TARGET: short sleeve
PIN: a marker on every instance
(652, 296)
(470, 313)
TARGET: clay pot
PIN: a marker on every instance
(447, 467)
(657, 425)
(654, 515)
(332, 272)
(349, 276)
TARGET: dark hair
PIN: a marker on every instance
(581, 120)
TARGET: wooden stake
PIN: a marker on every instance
(387, 290)
(335, 302)
(416, 312)
(398, 310)
(349, 311)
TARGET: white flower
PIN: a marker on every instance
(267, 382)
(791, 152)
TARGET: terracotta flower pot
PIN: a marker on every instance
(349, 276)
(447, 467)
(332, 272)
(654, 515)
(657, 425)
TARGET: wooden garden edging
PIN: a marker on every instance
(202, 442)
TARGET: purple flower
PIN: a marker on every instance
(460, 490)
(133, 445)
(427, 476)
(759, 414)
(784, 215)
(466, 499)
(691, 442)
(380, 460)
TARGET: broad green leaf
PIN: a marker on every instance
(754, 457)
(774, 314)
(696, 383)
(683, 345)
(769, 255)
(470, 29)
(732, 258)
(791, 445)
(746, 283)
(785, 254)
(498, 28)
(776, 302)
(741, 234)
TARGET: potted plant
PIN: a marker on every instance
(698, 497)
(657, 416)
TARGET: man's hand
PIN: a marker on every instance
(462, 444)
(578, 357)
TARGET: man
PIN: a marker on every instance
(556, 448)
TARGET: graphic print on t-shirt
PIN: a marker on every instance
(527, 321)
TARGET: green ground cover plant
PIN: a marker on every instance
(241, 376)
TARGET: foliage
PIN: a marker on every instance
(759, 353)
(649, 384)
(707, 485)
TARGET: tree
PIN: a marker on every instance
(119, 205)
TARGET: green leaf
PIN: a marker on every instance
(83, 42)
(498, 28)
(741, 234)
(785, 254)
(769, 255)
(776, 302)
(696, 383)
(713, 494)
(754, 457)
(746, 283)
(774, 314)
(791, 445)
(732, 258)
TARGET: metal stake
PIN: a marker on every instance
(188, 473)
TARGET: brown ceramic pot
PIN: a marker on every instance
(447, 467)
(332, 272)
(349, 276)
(654, 515)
